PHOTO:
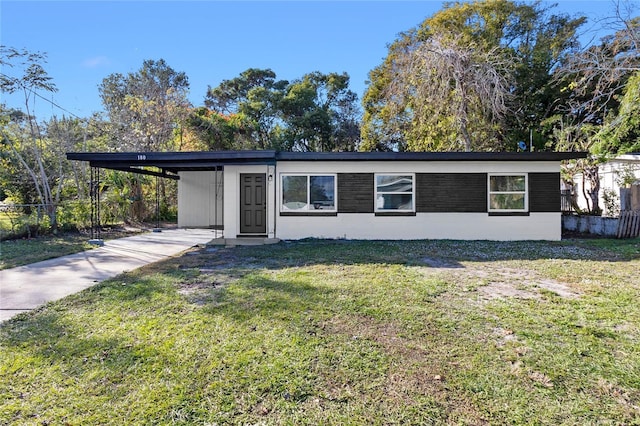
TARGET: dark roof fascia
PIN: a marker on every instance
(145, 158)
(210, 160)
(173, 161)
(429, 156)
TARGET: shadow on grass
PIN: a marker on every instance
(430, 253)
(261, 297)
(48, 339)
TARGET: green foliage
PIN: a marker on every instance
(221, 132)
(626, 175)
(75, 214)
(621, 133)
(145, 107)
(611, 202)
(29, 65)
(507, 50)
(256, 111)
(252, 100)
(33, 168)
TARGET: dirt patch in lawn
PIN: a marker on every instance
(206, 270)
(500, 282)
(520, 283)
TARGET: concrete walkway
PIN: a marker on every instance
(30, 286)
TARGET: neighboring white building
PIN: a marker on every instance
(611, 174)
(360, 195)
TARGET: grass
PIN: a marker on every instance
(24, 251)
(339, 332)
(30, 250)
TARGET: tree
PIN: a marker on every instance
(568, 135)
(218, 131)
(146, 108)
(147, 111)
(448, 83)
(319, 114)
(596, 76)
(600, 103)
(23, 141)
(257, 111)
(462, 83)
(253, 100)
(621, 132)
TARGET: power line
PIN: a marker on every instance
(32, 91)
(55, 105)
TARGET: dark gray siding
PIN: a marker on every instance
(544, 192)
(446, 192)
(451, 192)
(355, 193)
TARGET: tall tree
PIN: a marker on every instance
(217, 131)
(600, 106)
(596, 76)
(466, 86)
(621, 132)
(23, 141)
(252, 100)
(319, 114)
(255, 110)
(603, 83)
(146, 108)
(448, 83)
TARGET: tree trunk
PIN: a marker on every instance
(593, 177)
(137, 201)
(465, 135)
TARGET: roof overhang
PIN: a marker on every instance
(429, 156)
(170, 163)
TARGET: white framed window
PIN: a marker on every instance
(308, 193)
(508, 193)
(395, 192)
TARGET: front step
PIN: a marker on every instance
(249, 241)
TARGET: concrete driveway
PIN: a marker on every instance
(27, 287)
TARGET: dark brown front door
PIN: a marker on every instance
(253, 204)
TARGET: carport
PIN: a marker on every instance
(168, 165)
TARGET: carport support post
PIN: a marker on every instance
(94, 192)
(157, 228)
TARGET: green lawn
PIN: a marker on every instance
(339, 332)
(24, 251)
(30, 250)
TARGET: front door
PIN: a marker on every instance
(253, 204)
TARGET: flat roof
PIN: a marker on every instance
(429, 156)
(170, 163)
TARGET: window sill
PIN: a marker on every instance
(395, 213)
(309, 213)
(508, 213)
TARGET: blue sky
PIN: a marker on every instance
(211, 41)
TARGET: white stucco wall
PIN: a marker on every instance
(609, 175)
(200, 199)
(452, 226)
(195, 194)
(232, 198)
(464, 226)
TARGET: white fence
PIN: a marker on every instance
(625, 226)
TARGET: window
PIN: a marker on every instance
(305, 193)
(508, 193)
(394, 193)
